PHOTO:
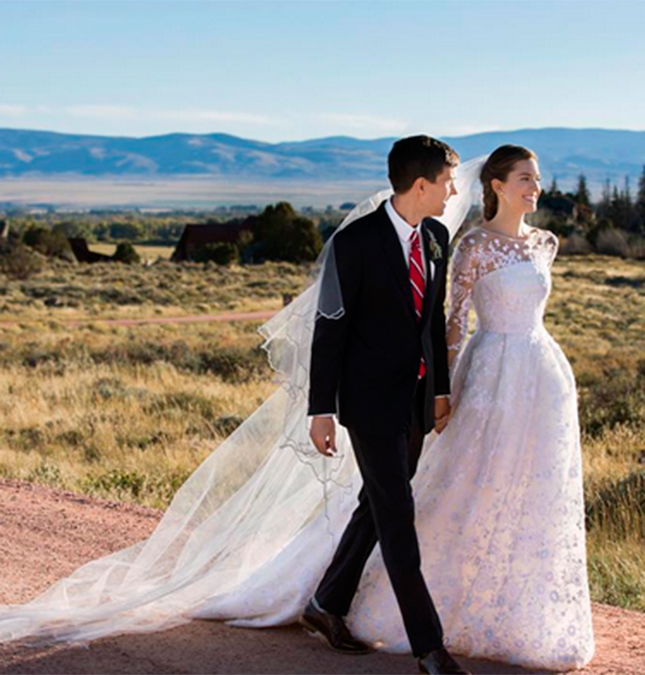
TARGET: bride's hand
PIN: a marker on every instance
(323, 435)
(441, 413)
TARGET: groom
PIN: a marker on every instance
(382, 368)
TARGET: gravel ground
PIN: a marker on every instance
(45, 534)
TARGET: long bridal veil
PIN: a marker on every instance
(240, 508)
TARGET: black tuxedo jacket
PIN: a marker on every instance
(365, 365)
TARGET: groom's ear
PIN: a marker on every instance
(419, 185)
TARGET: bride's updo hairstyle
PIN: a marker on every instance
(499, 165)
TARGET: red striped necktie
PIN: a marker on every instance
(417, 282)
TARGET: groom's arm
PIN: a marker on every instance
(438, 326)
(330, 335)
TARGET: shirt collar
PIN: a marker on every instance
(402, 227)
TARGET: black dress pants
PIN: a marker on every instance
(385, 513)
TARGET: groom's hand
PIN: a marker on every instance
(323, 435)
(441, 413)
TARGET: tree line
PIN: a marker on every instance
(616, 208)
(614, 224)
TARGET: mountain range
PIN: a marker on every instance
(564, 153)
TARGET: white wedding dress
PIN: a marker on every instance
(498, 494)
(500, 511)
(499, 500)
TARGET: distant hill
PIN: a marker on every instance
(564, 153)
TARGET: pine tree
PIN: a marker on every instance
(616, 207)
(604, 205)
(640, 203)
(621, 208)
(582, 195)
(629, 215)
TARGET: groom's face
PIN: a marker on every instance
(434, 195)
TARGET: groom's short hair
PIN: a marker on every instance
(418, 156)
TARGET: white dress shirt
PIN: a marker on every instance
(404, 230)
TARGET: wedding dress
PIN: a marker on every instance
(500, 511)
(499, 499)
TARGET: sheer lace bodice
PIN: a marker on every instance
(490, 272)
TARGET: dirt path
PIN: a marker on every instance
(192, 318)
(45, 534)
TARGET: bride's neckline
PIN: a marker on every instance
(494, 233)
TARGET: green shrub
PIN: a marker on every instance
(221, 253)
(125, 253)
(131, 231)
(19, 262)
(47, 474)
(575, 244)
(281, 234)
(135, 486)
(49, 243)
(613, 242)
(227, 424)
(115, 483)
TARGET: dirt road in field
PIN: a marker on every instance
(193, 318)
(46, 533)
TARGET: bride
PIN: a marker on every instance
(498, 494)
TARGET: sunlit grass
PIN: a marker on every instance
(145, 251)
(63, 292)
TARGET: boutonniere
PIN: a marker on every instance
(435, 250)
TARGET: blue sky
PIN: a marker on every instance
(292, 70)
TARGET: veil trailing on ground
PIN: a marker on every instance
(240, 508)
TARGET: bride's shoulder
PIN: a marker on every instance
(545, 237)
(472, 239)
(470, 249)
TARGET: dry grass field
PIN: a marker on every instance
(129, 412)
(146, 252)
(64, 292)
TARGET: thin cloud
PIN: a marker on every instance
(214, 116)
(103, 112)
(114, 112)
(365, 123)
(470, 129)
(9, 110)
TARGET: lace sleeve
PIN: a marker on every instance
(462, 278)
(552, 245)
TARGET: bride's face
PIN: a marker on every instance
(521, 190)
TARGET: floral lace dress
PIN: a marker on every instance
(500, 512)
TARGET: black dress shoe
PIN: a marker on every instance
(333, 629)
(439, 662)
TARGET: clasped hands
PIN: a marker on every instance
(323, 428)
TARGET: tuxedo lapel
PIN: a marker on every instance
(432, 283)
(394, 256)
